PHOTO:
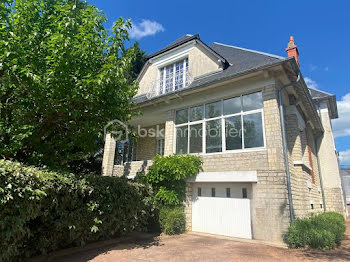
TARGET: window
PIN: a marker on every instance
(199, 191)
(228, 192)
(226, 125)
(213, 191)
(196, 138)
(173, 77)
(182, 140)
(160, 146)
(244, 193)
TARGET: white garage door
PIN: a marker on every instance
(219, 209)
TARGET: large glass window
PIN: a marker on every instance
(233, 132)
(173, 77)
(213, 109)
(253, 130)
(196, 113)
(182, 140)
(196, 137)
(213, 136)
(226, 125)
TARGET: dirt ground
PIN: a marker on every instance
(192, 247)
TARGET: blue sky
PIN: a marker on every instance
(321, 30)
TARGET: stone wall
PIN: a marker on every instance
(306, 191)
(270, 208)
(130, 169)
(334, 200)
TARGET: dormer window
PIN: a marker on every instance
(173, 77)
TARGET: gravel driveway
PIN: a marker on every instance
(192, 247)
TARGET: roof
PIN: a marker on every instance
(318, 95)
(240, 61)
(180, 41)
(230, 72)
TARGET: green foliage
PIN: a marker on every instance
(63, 76)
(167, 176)
(172, 220)
(324, 231)
(42, 211)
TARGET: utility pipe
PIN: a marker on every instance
(285, 148)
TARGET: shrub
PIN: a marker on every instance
(168, 176)
(297, 235)
(42, 211)
(172, 220)
(323, 231)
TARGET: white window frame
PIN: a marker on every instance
(222, 117)
(185, 76)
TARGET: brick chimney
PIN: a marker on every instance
(292, 50)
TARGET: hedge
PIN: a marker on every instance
(42, 211)
(172, 220)
(323, 231)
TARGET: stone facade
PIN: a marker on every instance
(305, 180)
(330, 168)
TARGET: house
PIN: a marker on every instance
(345, 175)
(265, 139)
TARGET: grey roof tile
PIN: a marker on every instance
(183, 39)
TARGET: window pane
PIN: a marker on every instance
(244, 193)
(213, 192)
(181, 116)
(181, 140)
(253, 131)
(199, 193)
(232, 105)
(252, 101)
(233, 128)
(228, 192)
(213, 109)
(196, 135)
(161, 81)
(213, 136)
(196, 113)
(179, 75)
(169, 78)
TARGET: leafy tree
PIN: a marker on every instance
(139, 60)
(63, 76)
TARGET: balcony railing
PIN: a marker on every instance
(169, 83)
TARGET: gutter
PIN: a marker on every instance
(285, 147)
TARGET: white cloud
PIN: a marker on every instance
(145, 28)
(313, 67)
(310, 83)
(344, 157)
(341, 126)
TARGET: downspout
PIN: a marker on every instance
(285, 147)
(319, 166)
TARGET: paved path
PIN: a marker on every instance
(190, 247)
